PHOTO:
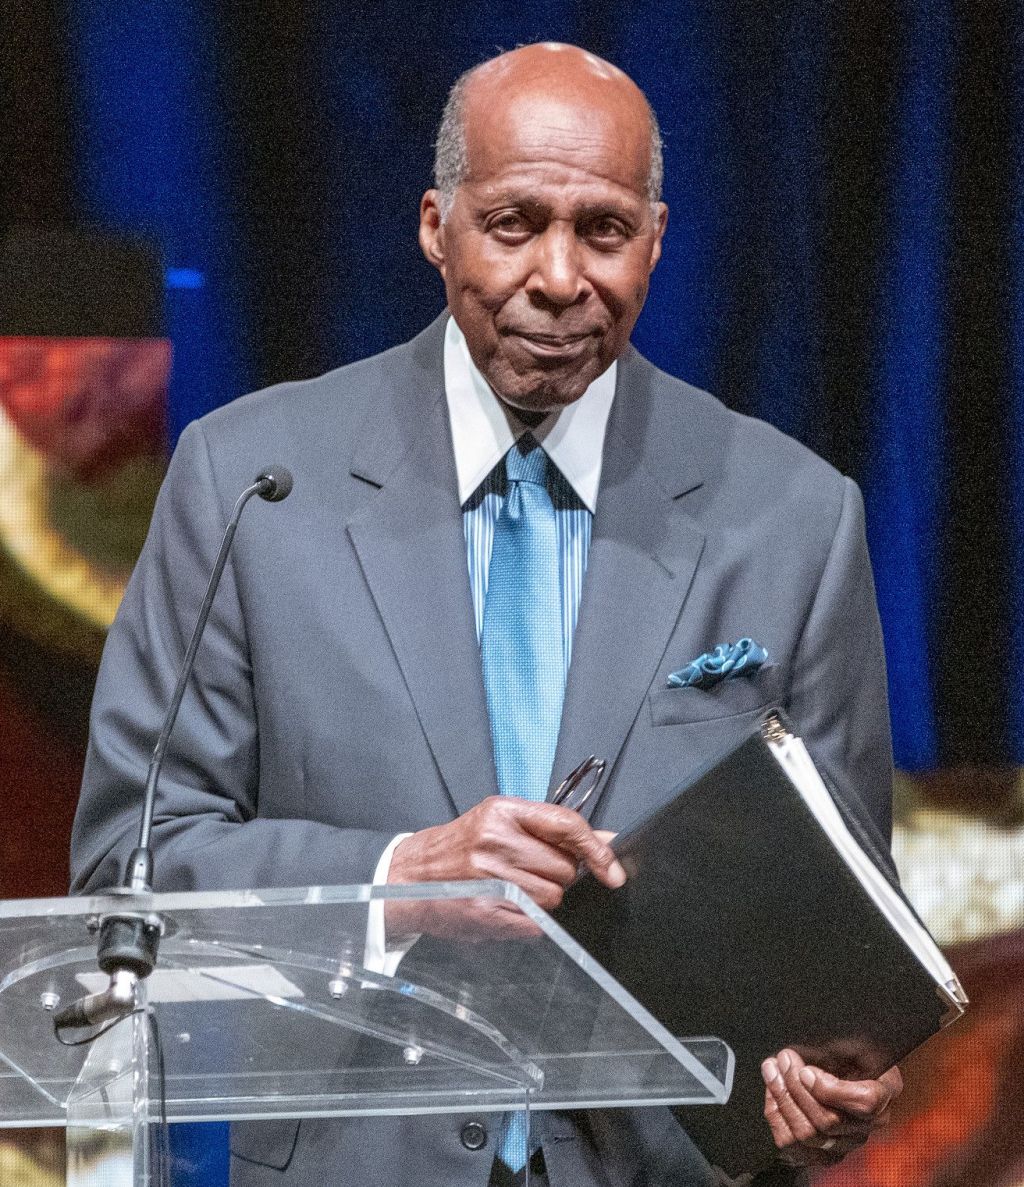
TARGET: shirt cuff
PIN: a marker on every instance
(380, 956)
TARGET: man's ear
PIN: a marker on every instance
(432, 229)
(660, 222)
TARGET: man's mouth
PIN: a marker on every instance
(555, 346)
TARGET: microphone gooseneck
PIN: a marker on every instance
(128, 941)
(273, 484)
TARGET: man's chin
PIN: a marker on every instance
(542, 402)
(544, 392)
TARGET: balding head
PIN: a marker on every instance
(545, 224)
(551, 67)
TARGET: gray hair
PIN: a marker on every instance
(451, 159)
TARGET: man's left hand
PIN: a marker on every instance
(817, 1118)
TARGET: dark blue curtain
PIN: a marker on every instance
(843, 255)
(843, 258)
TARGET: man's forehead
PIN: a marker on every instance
(536, 123)
(533, 119)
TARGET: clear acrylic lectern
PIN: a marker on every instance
(261, 1006)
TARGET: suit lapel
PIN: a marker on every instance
(410, 543)
(411, 547)
(643, 555)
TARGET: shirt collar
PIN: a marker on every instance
(484, 429)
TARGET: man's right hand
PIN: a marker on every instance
(538, 847)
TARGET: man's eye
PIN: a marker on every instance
(510, 224)
(606, 230)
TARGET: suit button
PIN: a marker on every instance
(473, 1135)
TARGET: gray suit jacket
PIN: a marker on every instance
(338, 697)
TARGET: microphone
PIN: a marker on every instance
(128, 943)
(275, 484)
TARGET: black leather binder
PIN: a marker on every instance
(740, 918)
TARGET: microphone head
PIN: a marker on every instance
(275, 483)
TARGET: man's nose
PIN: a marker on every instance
(557, 274)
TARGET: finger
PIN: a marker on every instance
(485, 919)
(882, 1119)
(511, 852)
(503, 921)
(474, 920)
(546, 893)
(863, 1099)
(816, 1151)
(800, 1080)
(571, 833)
(802, 1126)
(782, 1135)
(605, 834)
(884, 1116)
(819, 1151)
(893, 1079)
(792, 1091)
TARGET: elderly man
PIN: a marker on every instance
(503, 536)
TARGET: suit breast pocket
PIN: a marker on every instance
(730, 698)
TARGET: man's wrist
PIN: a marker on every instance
(380, 954)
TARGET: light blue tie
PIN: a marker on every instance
(521, 645)
(521, 641)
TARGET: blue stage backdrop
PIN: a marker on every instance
(843, 255)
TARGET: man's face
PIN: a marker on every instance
(548, 247)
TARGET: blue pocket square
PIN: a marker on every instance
(723, 662)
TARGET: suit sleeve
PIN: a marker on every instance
(838, 697)
(208, 833)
